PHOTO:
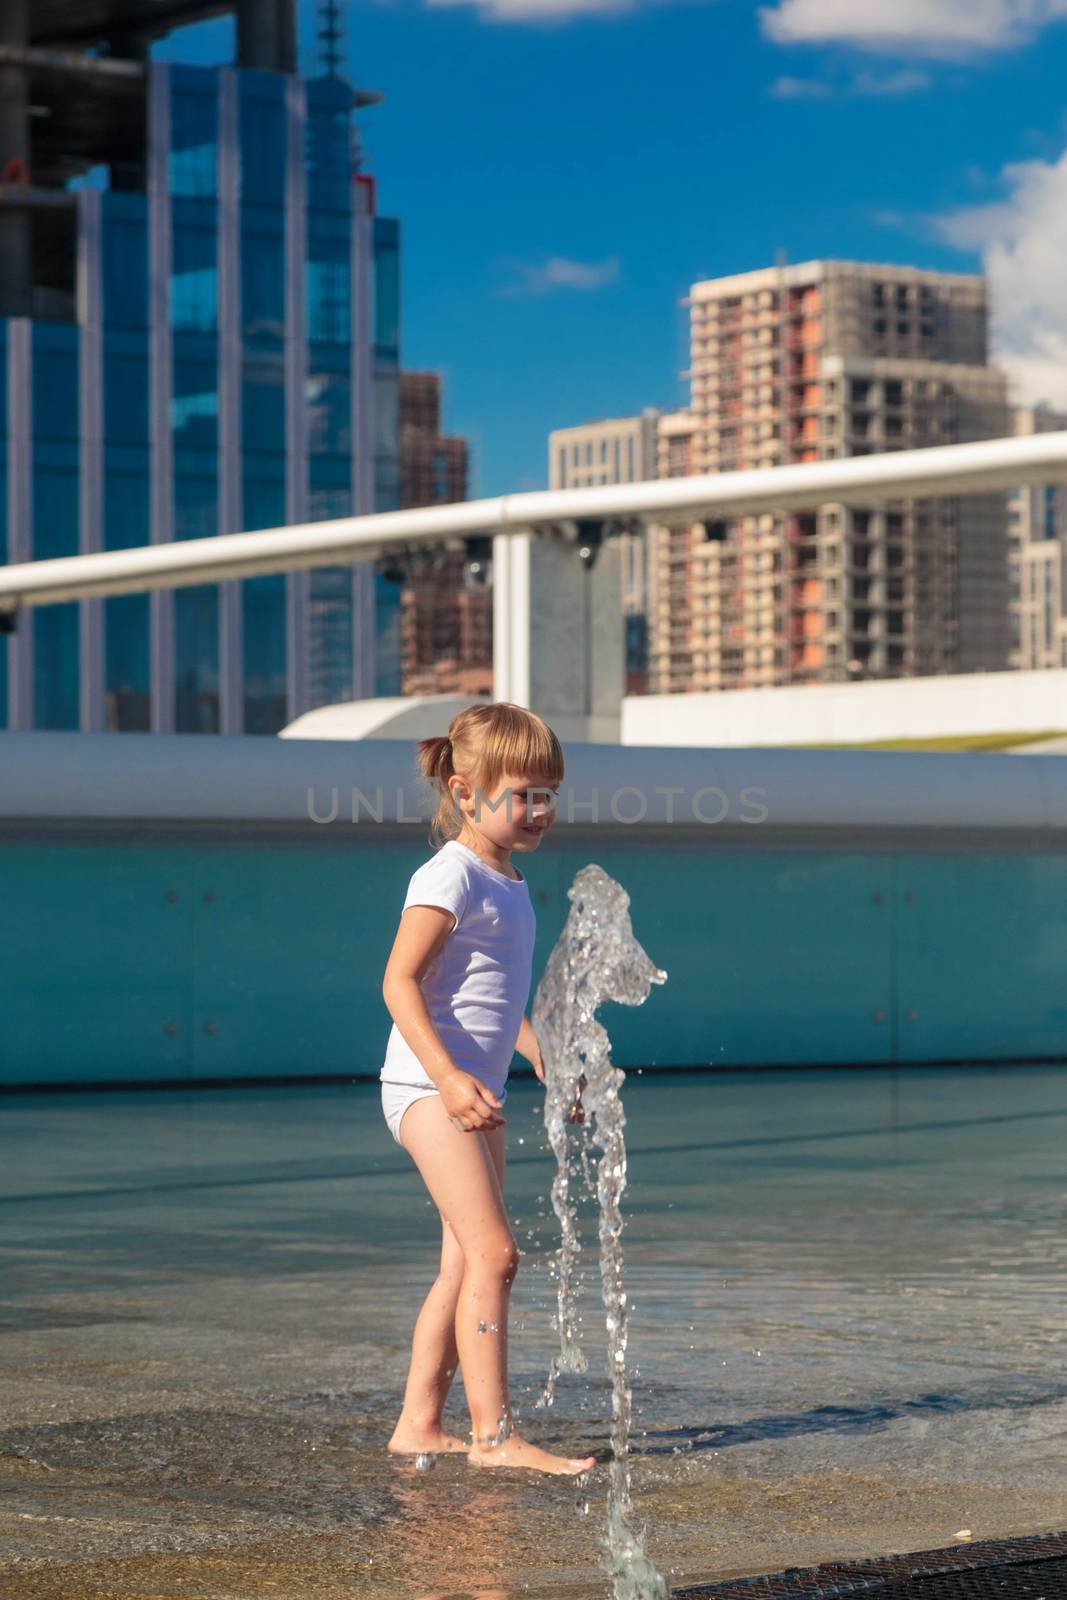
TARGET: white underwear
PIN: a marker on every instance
(396, 1097)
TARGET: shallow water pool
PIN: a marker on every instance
(848, 1335)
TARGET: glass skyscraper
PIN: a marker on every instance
(220, 353)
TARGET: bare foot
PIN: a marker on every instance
(518, 1452)
(425, 1441)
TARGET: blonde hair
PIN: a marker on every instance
(483, 742)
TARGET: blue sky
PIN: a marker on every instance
(564, 169)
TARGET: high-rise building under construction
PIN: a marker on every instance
(1037, 531)
(445, 625)
(808, 363)
(198, 335)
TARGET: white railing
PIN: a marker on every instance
(988, 465)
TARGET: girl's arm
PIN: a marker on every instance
(526, 1044)
(422, 932)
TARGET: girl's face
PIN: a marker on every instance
(515, 815)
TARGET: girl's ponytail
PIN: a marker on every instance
(435, 764)
(435, 756)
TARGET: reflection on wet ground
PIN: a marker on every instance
(847, 1338)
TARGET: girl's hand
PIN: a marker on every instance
(470, 1105)
(577, 1112)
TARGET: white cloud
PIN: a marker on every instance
(893, 219)
(906, 81)
(893, 84)
(1023, 243)
(541, 10)
(530, 278)
(945, 28)
(800, 89)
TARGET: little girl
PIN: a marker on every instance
(456, 985)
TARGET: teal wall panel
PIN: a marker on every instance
(95, 966)
(770, 956)
(982, 956)
(283, 968)
(134, 960)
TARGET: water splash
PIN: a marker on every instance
(596, 958)
(505, 1427)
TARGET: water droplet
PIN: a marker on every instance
(582, 1507)
(424, 1461)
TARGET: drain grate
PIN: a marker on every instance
(1031, 1568)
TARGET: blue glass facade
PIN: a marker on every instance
(330, 402)
(4, 557)
(55, 493)
(125, 407)
(192, 185)
(387, 439)
(263, 164)
(233, 366)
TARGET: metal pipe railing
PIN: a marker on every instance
(984, 466)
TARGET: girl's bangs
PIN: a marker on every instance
(522, 748)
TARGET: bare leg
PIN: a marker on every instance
(434, 1360)
(463, 1178)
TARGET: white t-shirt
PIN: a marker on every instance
(477, 988)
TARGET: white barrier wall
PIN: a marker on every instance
(911, 708)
